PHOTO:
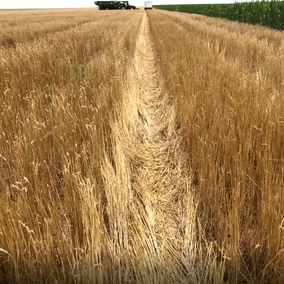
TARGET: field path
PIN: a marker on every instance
(157, 180)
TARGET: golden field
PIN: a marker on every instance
(140, 148)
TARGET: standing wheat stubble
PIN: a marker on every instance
(225, 82)
(55, 134)
(95, 179)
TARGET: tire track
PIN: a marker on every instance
(153, 212)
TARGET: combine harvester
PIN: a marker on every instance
(114, 5)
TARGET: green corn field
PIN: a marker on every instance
(265, 13)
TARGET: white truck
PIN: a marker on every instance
(148, 5)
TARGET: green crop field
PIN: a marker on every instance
(266, 13)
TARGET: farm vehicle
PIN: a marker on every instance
(148, 5)
(114, 5)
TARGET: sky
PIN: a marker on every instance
(30, 4)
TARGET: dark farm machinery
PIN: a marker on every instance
(114, 5)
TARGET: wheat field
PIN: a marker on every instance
(140, 147)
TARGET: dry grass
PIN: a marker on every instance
(21, 26)
(95, 185)
(227, 79)
(136, 151)
(157, 222)
(57, 96)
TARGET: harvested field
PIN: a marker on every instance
(140, 147)
(227, 80)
